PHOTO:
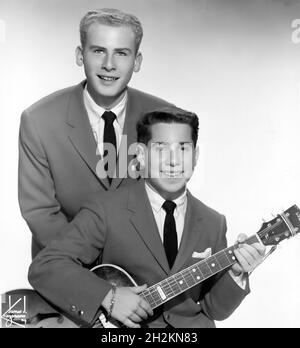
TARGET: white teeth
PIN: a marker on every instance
(105, 78)
(173, 175)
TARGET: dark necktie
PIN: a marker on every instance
(170, 234)
(109, 137)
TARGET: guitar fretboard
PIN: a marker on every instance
(178, 283)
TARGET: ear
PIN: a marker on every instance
(141, 154)
(79, 56)
(196, 156)
(138, 62)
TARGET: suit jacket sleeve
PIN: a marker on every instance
(222, 295)
(37, 200)
(57, 272)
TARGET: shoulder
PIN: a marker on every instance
(53, 104)
(146, 99)
(204, 210)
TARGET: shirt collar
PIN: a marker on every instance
(96, 111)
(156, 200)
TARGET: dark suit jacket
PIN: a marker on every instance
(121, 228)
(58, 160)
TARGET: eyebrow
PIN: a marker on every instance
(167, 143)
(105, 49)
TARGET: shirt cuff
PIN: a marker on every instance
(240, 280)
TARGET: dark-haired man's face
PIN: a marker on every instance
(109, 58)
(169, 159)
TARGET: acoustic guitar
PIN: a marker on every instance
(284, 226)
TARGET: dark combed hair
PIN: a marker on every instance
(166, 115)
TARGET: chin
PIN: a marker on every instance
(108, 92)
(173, 188)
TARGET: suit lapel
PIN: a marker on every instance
(133, 112)
(192, 232)
(80, 132)
(144, 223)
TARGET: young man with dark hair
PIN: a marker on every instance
(64, 136)
(152, 229)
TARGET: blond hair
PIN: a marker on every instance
(111, 17)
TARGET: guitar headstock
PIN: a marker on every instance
(284, 226)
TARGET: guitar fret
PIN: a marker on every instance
(212, 264)
(231, 256)
(224, 259)
(205, 270)
(155, 295)
(211, 269)
(181, 274)
(218, 260)
(148, 297)
(181, 281)
(175, 286)
(200, 272)
(189, 277)
(196, 273)
(167, 288)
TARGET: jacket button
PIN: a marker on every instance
(73, 308)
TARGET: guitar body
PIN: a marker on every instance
(114, 275)
(40, 314)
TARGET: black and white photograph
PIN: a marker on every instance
(150, 165)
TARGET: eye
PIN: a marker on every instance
(122, 54)
(98, 50)
(160, 147)
(185, 147)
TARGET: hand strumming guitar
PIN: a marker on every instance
(129, 308)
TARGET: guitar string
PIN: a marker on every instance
(153, 288)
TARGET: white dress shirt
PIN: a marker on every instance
(97, 123)
(156, 201)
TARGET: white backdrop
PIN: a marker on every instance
(233, 62)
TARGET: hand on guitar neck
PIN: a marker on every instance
(128, 308)
(248, 256)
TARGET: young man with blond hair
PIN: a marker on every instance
(64, 136)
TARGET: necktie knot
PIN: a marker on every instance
(109, 117)
(169, 207)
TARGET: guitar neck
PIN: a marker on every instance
(178, 283)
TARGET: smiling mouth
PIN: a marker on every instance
(108, 78)
(172, 174)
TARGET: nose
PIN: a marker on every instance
(108, 62)
(174, 157)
